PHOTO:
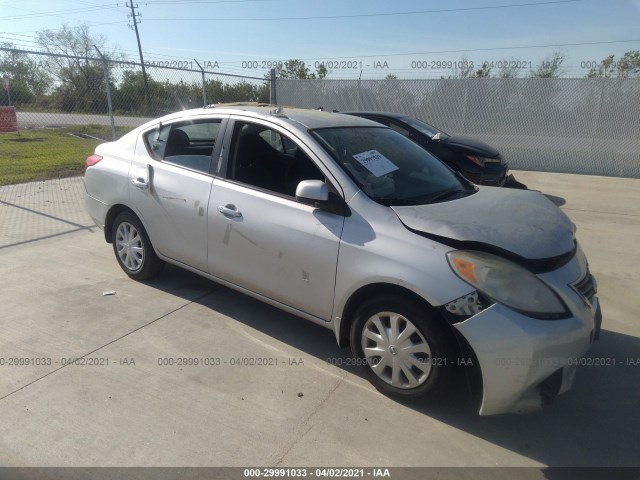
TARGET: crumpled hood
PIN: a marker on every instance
(523, 222)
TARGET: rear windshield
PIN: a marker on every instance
(388, 167)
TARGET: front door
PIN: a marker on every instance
(260, 237)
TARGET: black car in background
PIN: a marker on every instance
(477, 161)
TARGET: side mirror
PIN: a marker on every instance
(312, 192)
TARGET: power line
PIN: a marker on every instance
(187, 2)
(55, 13)
(377, 55)
(517, 47)
(362, 15)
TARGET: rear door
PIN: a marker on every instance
(260, 237)
(170, 184)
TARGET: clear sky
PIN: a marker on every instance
(404, 37)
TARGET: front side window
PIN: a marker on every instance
(388, 167)
(399, 128)
(425, 128)
(265, 158)
(186, 144)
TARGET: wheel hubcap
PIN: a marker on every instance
(396, 351)
(129, 246)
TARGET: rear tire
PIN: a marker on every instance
(133, 249)
(404, 351)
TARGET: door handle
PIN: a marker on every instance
(140, 183)
(229, 210)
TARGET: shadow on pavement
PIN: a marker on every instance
(559, 201)
(594, 424)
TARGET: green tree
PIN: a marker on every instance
(605, 69)
(462, 68)
(550, 67)
(218, 92)
(391, 76)
(29, 78)
(483, 72)
(510, 68)
(295, 68)
(627, 67)
(129, 95)
(80, 81)
(629, 64)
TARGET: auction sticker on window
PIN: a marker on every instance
(375, 162)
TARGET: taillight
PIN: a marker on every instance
(91, 161)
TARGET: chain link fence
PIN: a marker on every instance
(586, 126)
(66, 105)
(50, 90)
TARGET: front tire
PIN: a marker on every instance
(133, 248)
(404, 350)
(511, 182)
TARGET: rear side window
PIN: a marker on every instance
(156, 140)
(186, 144)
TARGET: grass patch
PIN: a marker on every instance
(101, 131)
(42, 154)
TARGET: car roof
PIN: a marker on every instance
(379, 114)
(309, 119)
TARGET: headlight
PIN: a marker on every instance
(482, 161)
(477, 160)
(507, 283)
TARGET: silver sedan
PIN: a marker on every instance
(348, 224)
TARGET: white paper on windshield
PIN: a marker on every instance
(375, 162)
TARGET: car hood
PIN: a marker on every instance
(521, 222)
(470, 146)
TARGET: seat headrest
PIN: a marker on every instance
(178, 139)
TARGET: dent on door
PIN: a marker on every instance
(275, 247)
(173, 205)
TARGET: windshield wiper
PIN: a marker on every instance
(399, 202)
(446, 194)
(407, 202)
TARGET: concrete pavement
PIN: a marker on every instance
(136, 398)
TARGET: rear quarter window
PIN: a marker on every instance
(185, 144)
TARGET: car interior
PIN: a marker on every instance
(263, 158)
(180, 148)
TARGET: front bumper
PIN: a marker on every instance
(526, 362)
(493, 175)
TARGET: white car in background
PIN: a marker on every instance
(347, 223)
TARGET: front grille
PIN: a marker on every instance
(586, 287)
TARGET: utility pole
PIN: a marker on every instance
(135, 19)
